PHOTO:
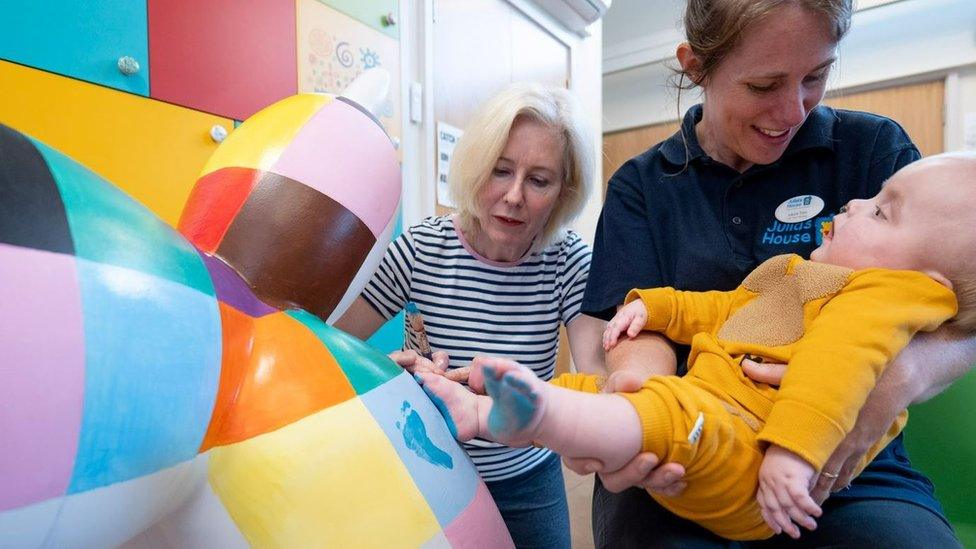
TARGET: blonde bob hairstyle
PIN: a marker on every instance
(485, 137)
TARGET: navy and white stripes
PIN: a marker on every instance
(475, 307)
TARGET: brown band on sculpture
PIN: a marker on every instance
(295, 247)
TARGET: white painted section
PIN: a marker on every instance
(104, 517)
(365, 272)
(28, 526)
(893, 42)
(201, 523)
(369, 90)
(439, 541)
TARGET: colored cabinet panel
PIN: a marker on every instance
(152, 150)
(220, 57)
(370, 12)
(83, 40)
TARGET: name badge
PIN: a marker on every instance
(799, 208)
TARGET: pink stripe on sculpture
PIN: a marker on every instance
(479, 525)
(335, 152)
(42, 374)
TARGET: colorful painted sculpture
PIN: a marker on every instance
(161, 390)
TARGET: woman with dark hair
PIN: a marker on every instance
(749, 176)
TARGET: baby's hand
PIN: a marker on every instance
(630, 319)
(784, 492)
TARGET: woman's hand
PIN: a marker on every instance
(630, 319)
(644, 471)
(769, 373)
(414, 362)
(890, 396)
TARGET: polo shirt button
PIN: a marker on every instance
(737, 220)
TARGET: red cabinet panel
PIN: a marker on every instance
(226, 57)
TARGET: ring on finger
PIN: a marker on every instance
(830, 476)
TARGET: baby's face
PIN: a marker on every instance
(921, 220)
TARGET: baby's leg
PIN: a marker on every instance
(525, 409)
(463, 410)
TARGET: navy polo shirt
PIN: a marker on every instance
(700, 225)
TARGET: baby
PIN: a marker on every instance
(887, 268)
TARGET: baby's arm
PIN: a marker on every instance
(784, 498)
(679, 315)
(521, 410)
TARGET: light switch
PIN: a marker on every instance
(416, 102)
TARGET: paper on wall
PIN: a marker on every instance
(447, 138)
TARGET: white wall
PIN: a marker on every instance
(960, 107)
(586, 83)
(895, 43)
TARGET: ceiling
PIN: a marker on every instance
(630, 20)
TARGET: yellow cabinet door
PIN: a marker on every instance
(152, 150)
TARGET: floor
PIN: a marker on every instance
(579, 492)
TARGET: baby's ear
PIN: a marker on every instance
(938, 277)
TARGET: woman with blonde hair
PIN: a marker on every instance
(750, 175)
(499, 277)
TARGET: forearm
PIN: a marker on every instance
(931, 363)
(585, 333)
(952, 354)
(646, 355)
(593, 426)
(361, 320)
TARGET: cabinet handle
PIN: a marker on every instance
(128, 65)
(218, 133)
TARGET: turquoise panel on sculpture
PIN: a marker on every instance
(110, 227)
(389, 337)
(82, 40)
(152, 368)
(365, 367)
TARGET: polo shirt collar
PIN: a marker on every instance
(673, 148)
(817, 132)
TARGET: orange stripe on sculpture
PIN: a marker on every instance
(214, 202)
(275, 372)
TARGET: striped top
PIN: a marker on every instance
(473, 306)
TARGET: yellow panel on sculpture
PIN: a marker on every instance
(323, 471)
(152, 150)
(258, 145)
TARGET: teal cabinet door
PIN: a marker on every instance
(80, 39)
